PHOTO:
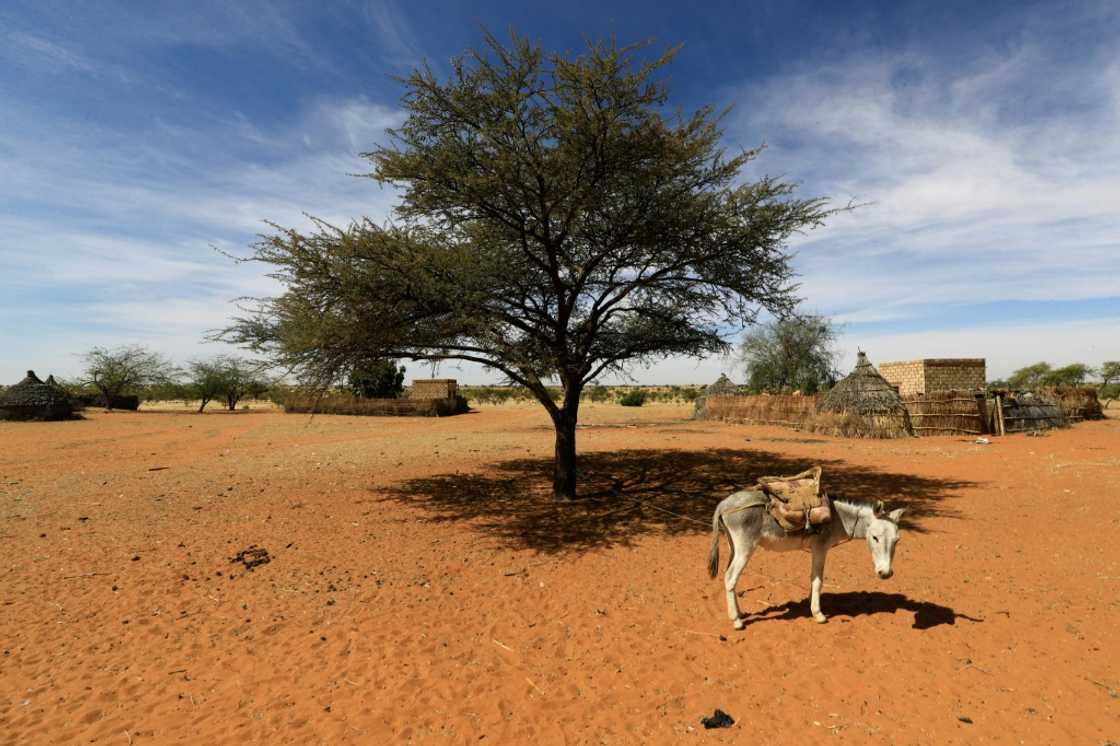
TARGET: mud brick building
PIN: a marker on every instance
(937, 374)
(434, 388)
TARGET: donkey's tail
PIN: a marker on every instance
(713, 553)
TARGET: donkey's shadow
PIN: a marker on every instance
(860, 603)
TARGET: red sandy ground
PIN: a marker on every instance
(424, 588)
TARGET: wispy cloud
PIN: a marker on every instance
(991, 176)
(397, 42)
(51, 53)
(120, 239)
(974, 195)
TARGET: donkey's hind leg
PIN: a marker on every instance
(741, 555)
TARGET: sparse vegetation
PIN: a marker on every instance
(634, 398)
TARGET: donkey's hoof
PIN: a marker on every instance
(739, 624)
(820, 618)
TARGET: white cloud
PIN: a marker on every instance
(976, 194)
(119, 239)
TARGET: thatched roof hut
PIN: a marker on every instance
(1025, 411)
(1077, 402)
(864, 405)
(33, 399)
(723, 386)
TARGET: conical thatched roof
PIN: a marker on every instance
(863, 392)
(32, 399)
(724, 386)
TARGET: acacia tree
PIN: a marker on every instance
(1030, 376)
(207, 381)
(1110, 374)
(555, 224)
(376, 378)
(128, 368)
(1073, 374)
(225, 377)
(792, 353)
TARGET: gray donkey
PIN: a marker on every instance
(748, 524)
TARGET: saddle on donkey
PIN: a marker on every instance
(797, 502)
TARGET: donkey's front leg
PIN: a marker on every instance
(820, 551)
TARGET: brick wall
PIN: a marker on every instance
(908, 376)
(964, 374)
(945, 374)
(434, 388)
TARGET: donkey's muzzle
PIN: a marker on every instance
(885, 574)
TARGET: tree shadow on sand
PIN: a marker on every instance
(862, 603)
(632, 493)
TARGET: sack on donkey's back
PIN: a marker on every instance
(797, 502)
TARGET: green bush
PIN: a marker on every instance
(634, 398)
(597, 393)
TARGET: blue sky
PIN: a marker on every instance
(137, 137)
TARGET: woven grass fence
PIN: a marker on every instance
(947, 413)
(800, 413)
(855, 425)
(374, 407)
(1077, 402)
(760, 409)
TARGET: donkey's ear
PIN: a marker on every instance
(896, 514)
(879, 507)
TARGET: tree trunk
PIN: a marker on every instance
(205, 401)
(108, 399)
(564, 470)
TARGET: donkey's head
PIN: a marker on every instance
(882, 538)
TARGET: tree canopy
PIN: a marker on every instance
(556, 223)
(1044, 374)
(794, 353)
(375, 378)
(1074, 374)
(225, 377)
(117, 371)
(207, 381)
(1110, 375)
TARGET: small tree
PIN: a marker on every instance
(114, 372)
(634, 398)
(208, 381)
(225, 377)
(1029, 377)
(557, 222)
(795, 353)
(376, 378)
(1110, 376)
(242, 377)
